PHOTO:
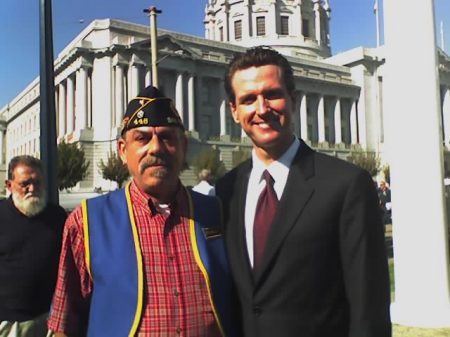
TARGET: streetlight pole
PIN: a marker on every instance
(47, 102)
(152, 12)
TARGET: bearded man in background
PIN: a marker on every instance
(30, 243)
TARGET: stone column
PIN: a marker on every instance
(318, 29)
(2, 134)
(353, 123)
(226, 25)
(337, 122)
(299, 19)
(223, 117)
(211, 30)
(81, 98)
(271, 20)
(414, 140)
(70, 104)
(303, 117)
(179, 95)
(321, 120)
(247, 21)
(191, 103)
(148, 77)
(119, 95)
(62, 110)
(446, 117)
(134, 80)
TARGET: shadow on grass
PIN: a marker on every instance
(391, 278)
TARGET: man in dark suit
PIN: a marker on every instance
(321, 269)
(384, 196)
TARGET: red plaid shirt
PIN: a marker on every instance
(176, 299)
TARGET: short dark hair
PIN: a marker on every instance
(256, 57)
(25, 160)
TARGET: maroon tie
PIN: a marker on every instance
(264, 214)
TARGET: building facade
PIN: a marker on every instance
(339, 99)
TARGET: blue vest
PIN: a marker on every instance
(114, 261)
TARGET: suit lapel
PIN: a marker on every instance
(237, 230)
(296, 195)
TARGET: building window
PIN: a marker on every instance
(260, 26)
(221, 33)
(305, 28)
(284, 25)
(238, 29)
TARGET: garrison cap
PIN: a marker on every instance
(150, 108)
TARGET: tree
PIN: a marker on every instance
(209, 159)
(240, 156)
(387, 173)
(114, 169)
(366, 160)
(72, 165)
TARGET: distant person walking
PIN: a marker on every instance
(204, 186)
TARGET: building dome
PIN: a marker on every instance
(293, 27)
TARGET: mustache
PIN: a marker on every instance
(153, 161)
(33, 195)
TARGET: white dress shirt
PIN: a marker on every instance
(279, 170)
(204, 187)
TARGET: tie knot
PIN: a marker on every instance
(268, 178)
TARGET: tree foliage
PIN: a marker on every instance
(72, 165)
(241, 156)
(387, 173)
(114, 169)
(209, 159)
(366, 160)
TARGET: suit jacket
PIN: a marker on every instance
(324, 271)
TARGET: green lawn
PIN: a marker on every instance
(391, 278)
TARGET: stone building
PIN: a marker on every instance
(339, 106)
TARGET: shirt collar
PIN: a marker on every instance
(144, 200)
(278, 169)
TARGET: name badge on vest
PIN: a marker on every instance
(212, 232)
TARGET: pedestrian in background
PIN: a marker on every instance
(204, 186)
(30, 243)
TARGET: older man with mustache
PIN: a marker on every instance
(30, 243)
(148, 259)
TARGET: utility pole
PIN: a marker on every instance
(47, 102)
(152, 12)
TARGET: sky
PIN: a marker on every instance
(352, 25)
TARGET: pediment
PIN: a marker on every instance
(285, 9)
(260, 10)
(167, 44)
